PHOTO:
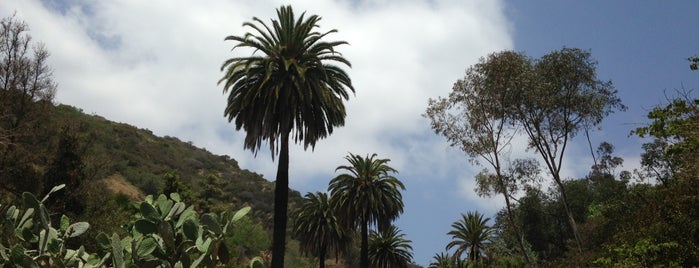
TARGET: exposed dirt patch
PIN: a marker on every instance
(118, 185)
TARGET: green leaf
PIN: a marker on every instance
(175, 197)
(188, 213)
(240, 213)
(257, 262)
(30, 200)
(27, 235)
(44, 217)
(198, 261)
(118, 252)
(53, 190)
(165, 231)
(19, 257)
(77, 229)
(46, 237)
(3, 254)
(203, 245)
(149, 212)
(164, 205)
(146, 247)
(145, 227)
(17, 253)
(70, 254)
(12, 213)
(26, 221)
(94, 260)
(177, 209)
(211, 223)
(65, 222)
(103, 240)
(55, 243)
(190, 229)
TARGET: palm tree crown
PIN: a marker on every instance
(290, 86)
(471, 233)
(389, 249)
(366, 195)
(318, 229)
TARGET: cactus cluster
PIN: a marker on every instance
(164, 233)
(28, 238)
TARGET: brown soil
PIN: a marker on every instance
(118, 185)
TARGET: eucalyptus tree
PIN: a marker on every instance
(390, 249)
(563, 97)
(470, 234)
(476, 117)
(288, 88)
(368, 194)
(318, 229)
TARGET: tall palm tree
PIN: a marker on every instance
(471, 233)
(285, 88)
(389, 249)
(366, 195)
(318, 229)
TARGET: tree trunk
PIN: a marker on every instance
(281, 198)
(508, 205)
(518, 233)
(569, 213)
(321, 258)
(364, 260)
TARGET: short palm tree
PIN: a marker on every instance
(285, 89)
(367, 195)
(444, 260)
(318, 230)
(389, 249)
(471, 233)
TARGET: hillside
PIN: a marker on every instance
(108, 168)
(134, 162)
(114, 150)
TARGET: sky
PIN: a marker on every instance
(155, 64)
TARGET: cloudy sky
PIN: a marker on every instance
(154, 64)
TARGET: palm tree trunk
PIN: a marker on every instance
(364, 259)
(281, 198)
(321, 258)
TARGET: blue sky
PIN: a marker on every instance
(154, 64)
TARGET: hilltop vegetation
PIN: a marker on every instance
(157, 164)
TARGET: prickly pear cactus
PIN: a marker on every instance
(28, 238)
(165, 233)
(168, 233)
